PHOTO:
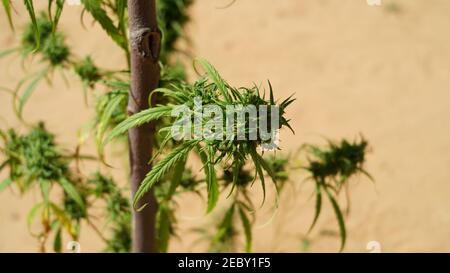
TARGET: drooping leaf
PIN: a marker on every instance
(259, 171)
(339, 217)
(7, 8)
(32, 214)
(247, 230)
(211, 179)
(57, 242)
(49, 8)
(30, 8)
(104, 121)
(72, 192)
(63, 219)
(318, 207)
(163, 167)
(29, 90)
(176, 179)
(58, 12)
(266, 167)
(236, 169)
(225, 225)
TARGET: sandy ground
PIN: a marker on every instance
(380, 71)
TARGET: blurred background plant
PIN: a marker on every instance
(35, 162)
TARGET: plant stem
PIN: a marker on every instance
(145, 41)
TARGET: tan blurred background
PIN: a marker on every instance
(380, 71)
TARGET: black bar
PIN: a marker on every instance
(181, 262)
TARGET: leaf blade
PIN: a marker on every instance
(7, 8)
(213, 187)
(340, 219)
(32, 214)
(57, 242)
(162, 168)
(30, 8)
(104, 120)
(177, 176)
(29, 91)
(72, 192)
(247, 230)
(318, 207)
(138, 119)
(58, 12)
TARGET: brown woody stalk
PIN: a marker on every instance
(145, 40)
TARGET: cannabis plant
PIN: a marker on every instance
(36, 162)
(331, 169)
